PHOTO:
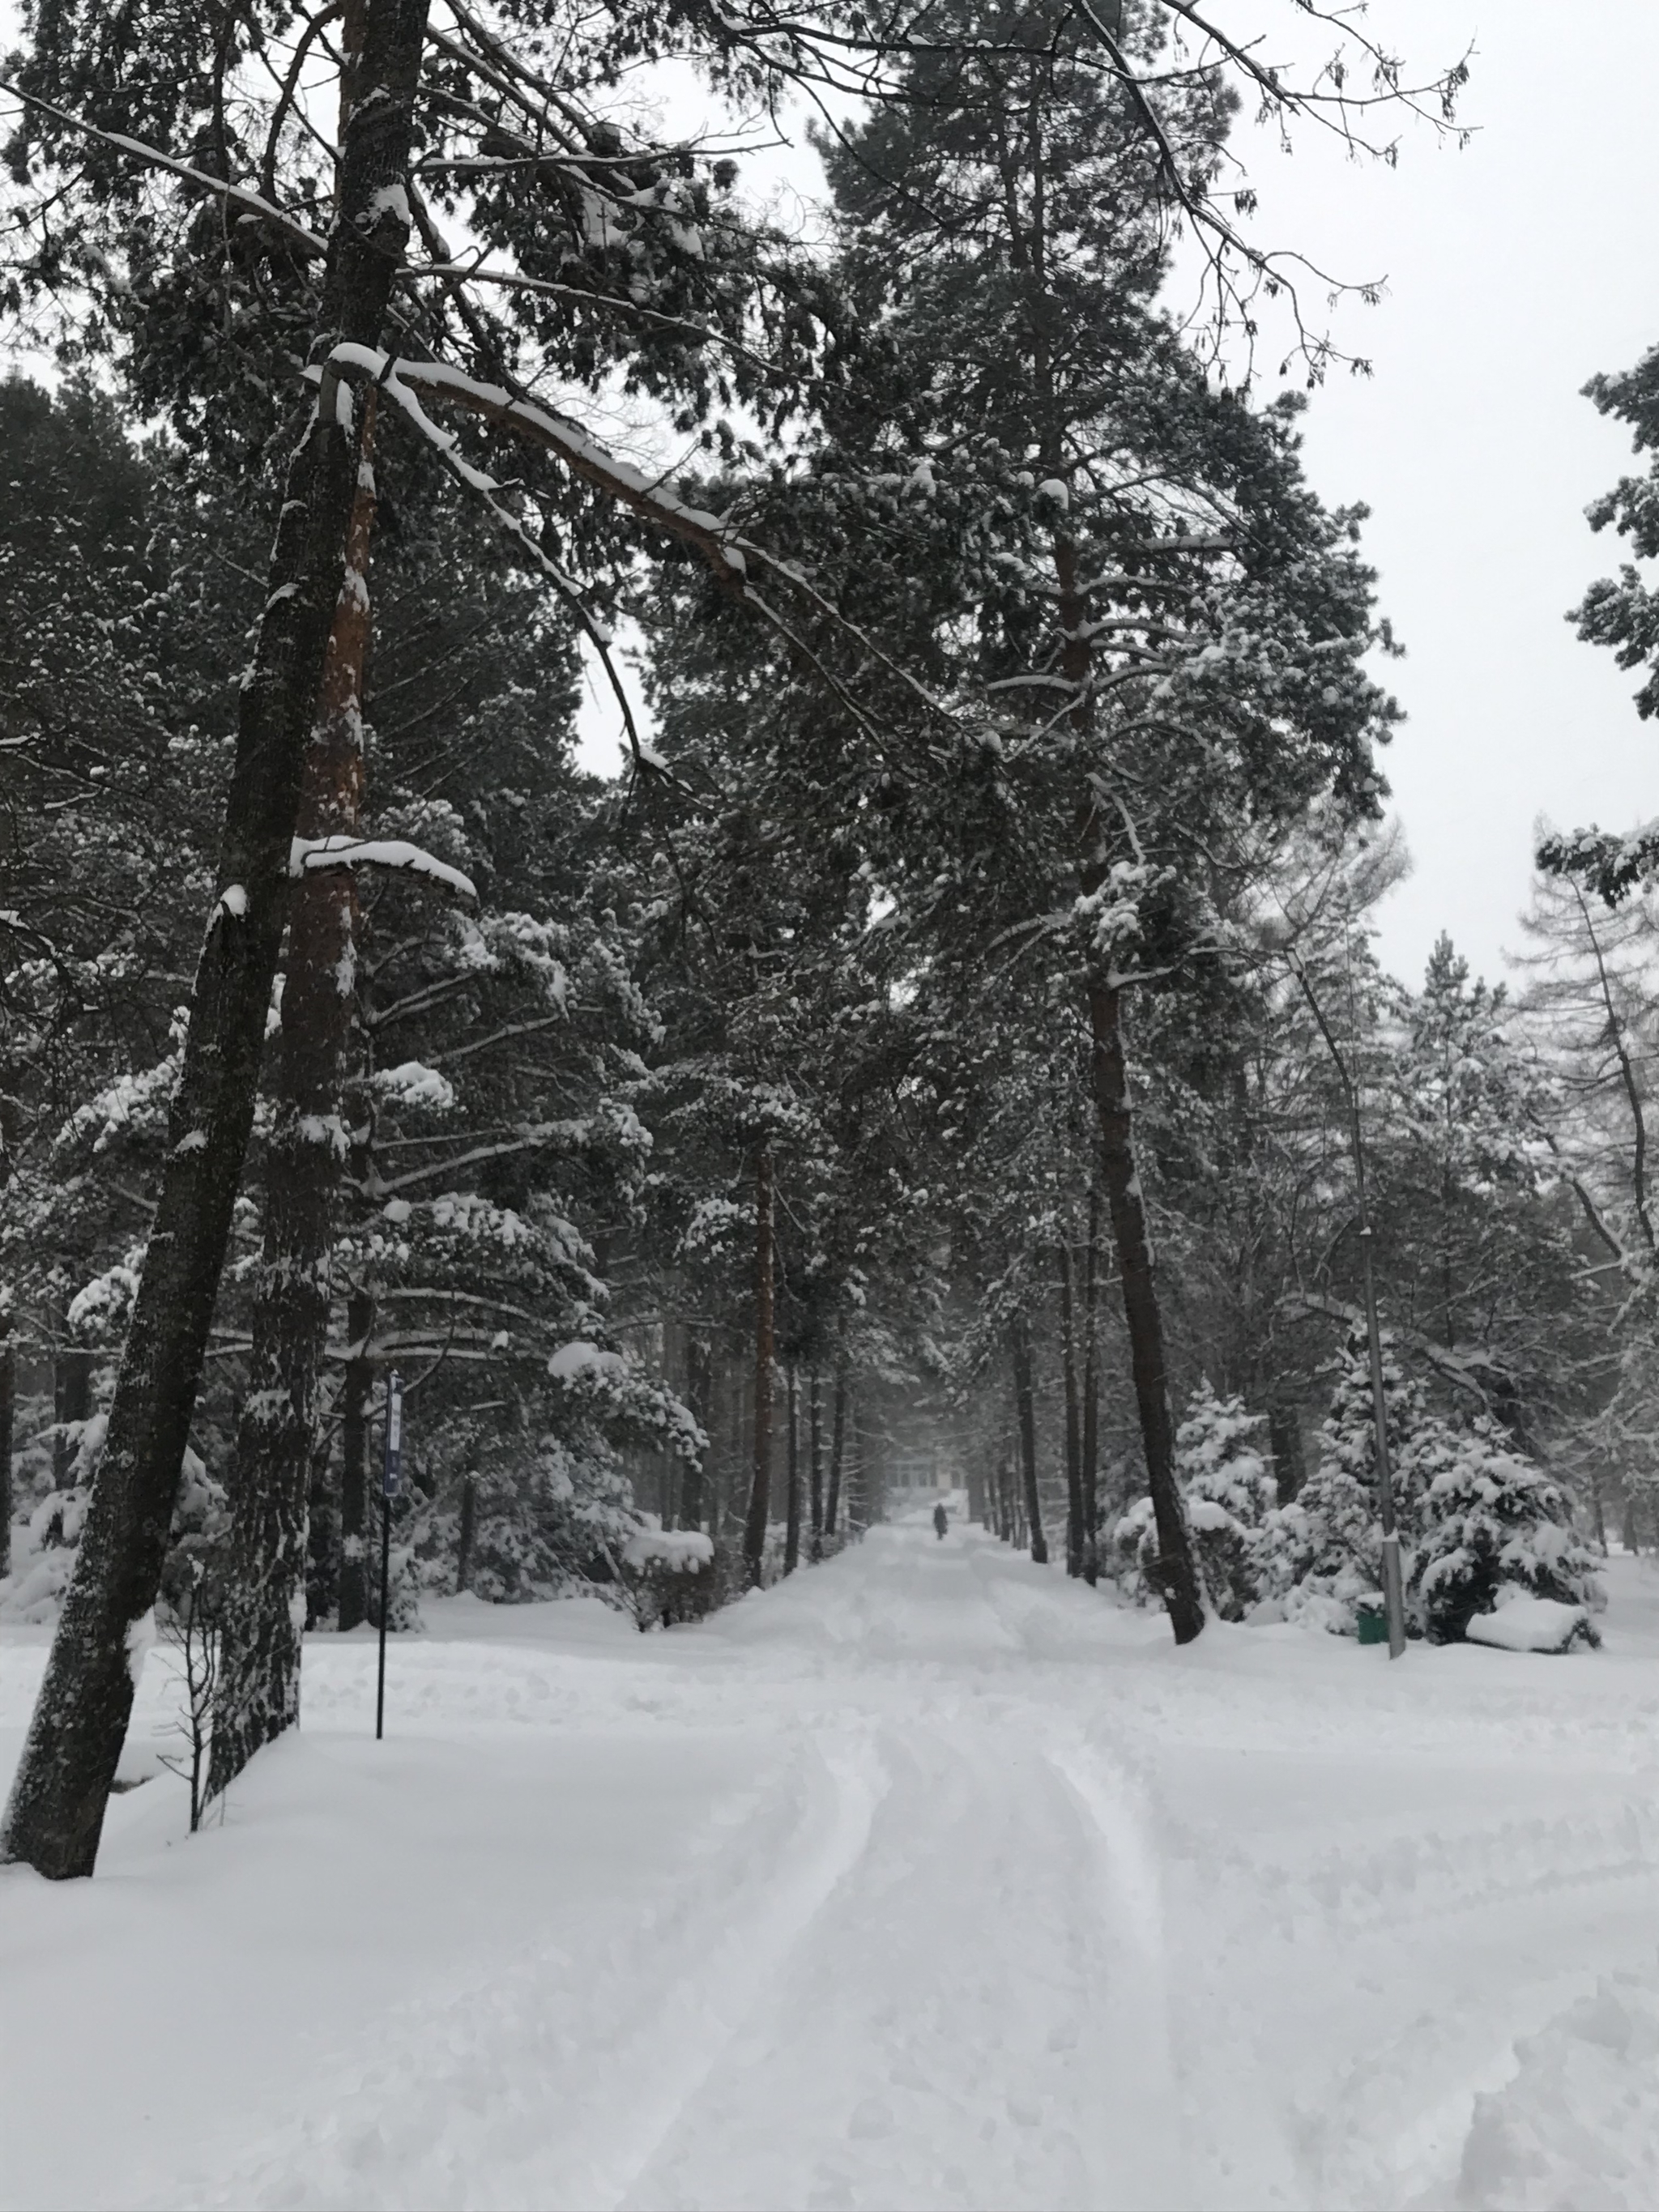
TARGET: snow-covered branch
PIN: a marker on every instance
(254, 204)
(313, 856)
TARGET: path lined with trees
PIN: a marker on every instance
(913, 1043)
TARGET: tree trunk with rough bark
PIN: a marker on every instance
(792, 1524)
(860, 1480)
(1177, 1574)
(260, 1633)
(1025, 1408)
(815, 1457)
(1073, 1417)
(760, 1485)
(356, 1405)
(700, 1398)
(468, 1531)
(1176, 1570)
(71, 1396)
(1284, 1441)
(55, 1815)
(837, 1448)
(8, 1419)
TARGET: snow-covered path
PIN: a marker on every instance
(927, 1879)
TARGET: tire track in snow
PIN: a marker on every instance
(933, 2042)
(519, 2089)
(1140, 2129)
(701, 2017)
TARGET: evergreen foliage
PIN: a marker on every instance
(1492, 1523)
(1321, 1554)
(1229, 1492)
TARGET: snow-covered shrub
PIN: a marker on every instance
(1228, 1487)
(669, 1573)
(550, 1520)
(1520, 1623)
(1493, 1522)
(45, 1538)
(1318, 1556)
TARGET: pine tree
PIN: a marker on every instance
(1009, 544)
(1319, 1555)
(1493, 1521)
(1229, 1489)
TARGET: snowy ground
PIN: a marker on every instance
(927, 1879)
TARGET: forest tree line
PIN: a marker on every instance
(945, 1025)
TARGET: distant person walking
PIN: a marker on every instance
(941, 1519)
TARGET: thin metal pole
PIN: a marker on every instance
(386, 1588)
(391, 1478)
(1394, 1600)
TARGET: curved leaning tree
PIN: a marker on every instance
(180, 190)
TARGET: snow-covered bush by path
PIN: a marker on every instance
(669, 1573)
(47, 1535)
(1229, 1488)
(1476, 1517)
(550, 1517)
(1519, 1623)
(1318, 1556)
(1493, 1521)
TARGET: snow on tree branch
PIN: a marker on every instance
(1612, 865)
(242, 196)
(312, 856)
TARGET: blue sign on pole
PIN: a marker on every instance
(391, 1480)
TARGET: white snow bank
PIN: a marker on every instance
(1531, 1624)
(1578, 2126)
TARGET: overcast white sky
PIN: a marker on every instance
(1516, 267)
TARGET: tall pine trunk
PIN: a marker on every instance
(55, 1815)
(1176, 1570)
(858, 1481)
(699, 1397)
(259, 1694)
(71, 1396)
(837, 1447)
(1092, 1394)
(792, 1524)
(815, 1457)
(760, 1484)
(1074, 1416)
(468, 1533)
(8, 1416)
(1284, 1441)
(1025, 1411)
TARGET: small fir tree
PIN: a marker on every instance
(1323, 1553)
(1230, 1491)
(1229, 1488)
(1493, 1522)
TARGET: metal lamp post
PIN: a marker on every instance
(391, 1483)
(1393, 1601)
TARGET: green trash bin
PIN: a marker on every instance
(1372, 1616)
